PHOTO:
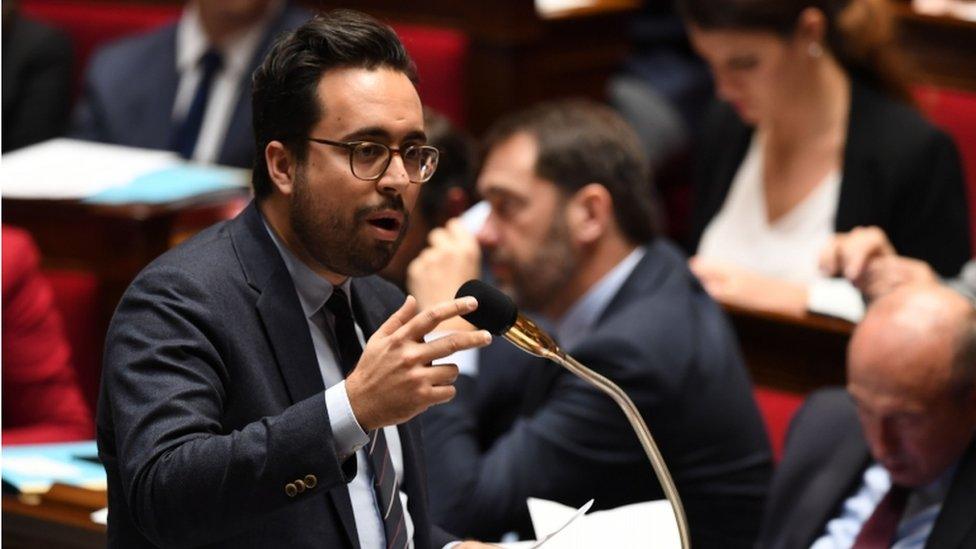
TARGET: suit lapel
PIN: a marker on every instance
(284, 322)
(957, 518)
(824, 494)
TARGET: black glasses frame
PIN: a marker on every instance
(351, 147)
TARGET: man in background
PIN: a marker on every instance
(891, 462)
(571, 234)
(187, 86)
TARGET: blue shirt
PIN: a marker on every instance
(922, 509)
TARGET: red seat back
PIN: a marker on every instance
(955, 112)
(441, 56)
(777, 408)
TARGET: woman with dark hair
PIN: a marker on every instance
(816, 135)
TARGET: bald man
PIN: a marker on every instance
(891, 462)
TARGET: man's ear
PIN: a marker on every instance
(282, 167)
(590, 213)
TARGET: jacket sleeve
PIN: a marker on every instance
(930, 220)
(186, 479)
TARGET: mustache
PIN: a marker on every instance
(394, 203)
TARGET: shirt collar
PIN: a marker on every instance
(192, 43)
(313, 290)
(581, 317)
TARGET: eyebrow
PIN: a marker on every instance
(381, 134)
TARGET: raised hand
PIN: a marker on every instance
(394, 381)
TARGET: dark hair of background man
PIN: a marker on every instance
(582, 142)
(284, 96)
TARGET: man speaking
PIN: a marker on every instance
(571, 233)
(259, 386)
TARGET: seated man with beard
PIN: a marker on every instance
(571, 234)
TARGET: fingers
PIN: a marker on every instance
(441, 374)
(425, 321)
(450, 344)
(398, 319)
(829, 260)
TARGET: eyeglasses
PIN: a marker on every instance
(369, 161)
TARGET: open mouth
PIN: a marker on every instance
(387, 224)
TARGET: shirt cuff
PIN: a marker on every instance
(466, 360)
(347, 434)
(835, 297)
(452, 545)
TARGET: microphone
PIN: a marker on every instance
(498, 314)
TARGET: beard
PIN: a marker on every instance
(334, 238)
(534, 283)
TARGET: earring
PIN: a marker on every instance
(814, 50)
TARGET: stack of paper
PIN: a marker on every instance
(111, 174)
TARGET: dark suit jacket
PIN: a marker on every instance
(130, 87)
(899, 173)
(212, 402)
(824, 462)
(36, 82)
(529, 428)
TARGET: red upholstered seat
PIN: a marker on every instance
(777, 408)
(441, 56)
(955, 112)
(77, 298)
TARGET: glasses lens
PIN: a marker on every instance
(420, 162)
(369, 160)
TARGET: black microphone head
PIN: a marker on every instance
(496, 312)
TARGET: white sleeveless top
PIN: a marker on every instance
(789, 247)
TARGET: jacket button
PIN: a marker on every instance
(310, 481)
(291, 490)
(300, 485)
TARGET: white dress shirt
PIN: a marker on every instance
(313, 292)
(229, 82)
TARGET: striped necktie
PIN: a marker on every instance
(384, 475)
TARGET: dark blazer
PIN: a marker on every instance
(36, 82)
(899, 173)
(824, 462)
(212, 402)
(529, 428)
(130, 87)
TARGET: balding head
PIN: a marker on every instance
(911, 371)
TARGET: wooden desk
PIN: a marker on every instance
(113, 242)
(792, 353)
(60, 519)
(518, 56)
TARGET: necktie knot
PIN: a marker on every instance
(211, 61)
(338, 305)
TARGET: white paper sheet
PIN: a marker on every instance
(637, 526)
(72, 169)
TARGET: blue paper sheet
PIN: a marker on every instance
(33, 468)
(172, 184)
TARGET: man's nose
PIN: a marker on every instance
(395, 179)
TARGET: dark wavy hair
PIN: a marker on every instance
(859, 32)
(284, 100)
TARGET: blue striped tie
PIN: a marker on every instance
(384, 475)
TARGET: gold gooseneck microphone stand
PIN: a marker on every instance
(530, 338)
